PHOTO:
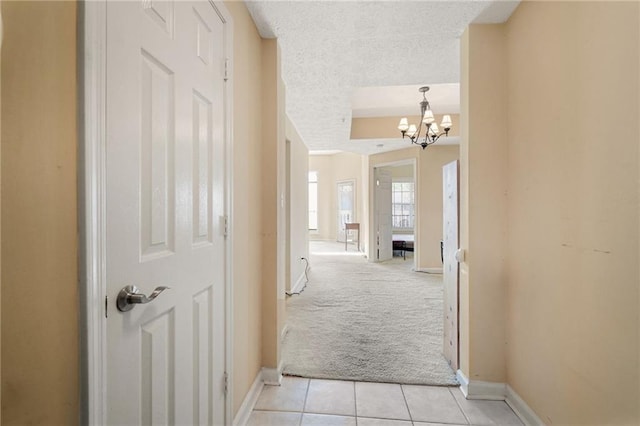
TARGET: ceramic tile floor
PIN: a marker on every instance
(311, 402)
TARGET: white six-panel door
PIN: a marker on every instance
(165, 203)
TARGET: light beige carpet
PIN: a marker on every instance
(366, 321)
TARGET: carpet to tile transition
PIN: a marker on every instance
(378, 322)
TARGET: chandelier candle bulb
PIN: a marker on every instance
(446, 122)
(404, 124)
(428, 117)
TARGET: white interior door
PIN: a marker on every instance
(450, 268)
(164, 201)
(346, 206)
(384, 243)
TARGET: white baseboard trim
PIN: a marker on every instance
(244, 412)
(464, 382)
(476, 389)
(487, 390)
(429, 270)
(522, 409)
(299, 285)
(272, 376)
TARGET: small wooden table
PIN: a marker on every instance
(347, 227)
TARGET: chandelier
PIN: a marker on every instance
(432, 132)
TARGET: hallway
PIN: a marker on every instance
(304, 402)
(375, 322)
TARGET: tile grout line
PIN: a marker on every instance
(458, 404)
(406, 403)
(304, 404)
(355, 402)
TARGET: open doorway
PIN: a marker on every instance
(360, 317)
(395, 212)
(346, 206)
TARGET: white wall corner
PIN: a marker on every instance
(244, 412)
(272, 376)
(522, 409)
(476, 389)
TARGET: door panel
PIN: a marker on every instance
(157, 203)
(450, 267)
(203, 356)
(157, 385)
(383, 214)
(164, 200)
(202, 168)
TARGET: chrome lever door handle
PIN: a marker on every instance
(130, 296)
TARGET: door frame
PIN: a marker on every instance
(92, 65)
(372, 199)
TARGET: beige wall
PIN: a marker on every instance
(573, 210)
(270, 202)
(387, 127)
(282, 219)
(564, 279)
(40, 366)
(259, 219)
(298, 205)
(402, 172)
(430, 187)
(323, 165)
(483, 202)
(247, 227)
(331, 170)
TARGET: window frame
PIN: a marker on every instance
(411, 205)
(309, 211)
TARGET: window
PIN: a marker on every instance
(313, 201)
(403, 205)
(346, 206)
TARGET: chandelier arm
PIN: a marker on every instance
(416, 139)
(427, 138)
(436, 137)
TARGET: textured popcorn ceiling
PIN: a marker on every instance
(331, 48)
